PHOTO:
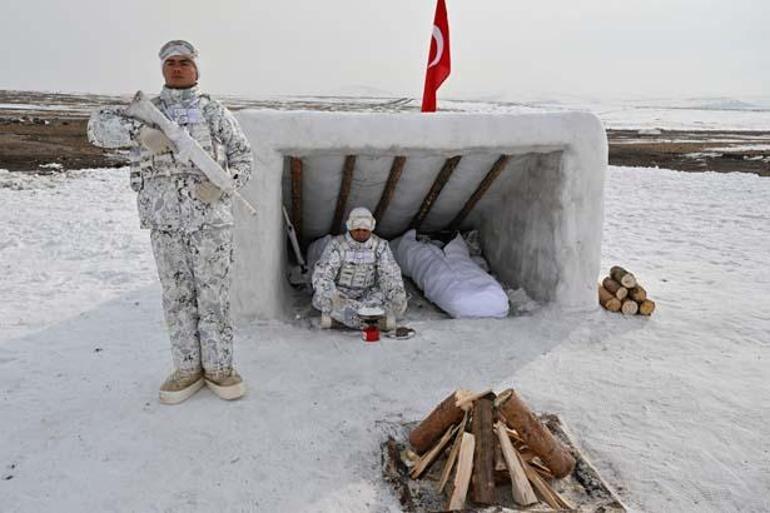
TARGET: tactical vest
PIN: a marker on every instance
(194, 120)
(359, 265)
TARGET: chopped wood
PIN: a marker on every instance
(549, 495)
(637, 293)
(393, 474)
(647, 307)
(463, 474)
(542, 471)
(466, 398)
(390, 187)
(523, 494)
(526, 453)
(484, 454)
(431, 455)
(486, 183)
(614, 288)
(295, 163)
(551, 451)
(512, 432)
(623, 277)
(344, 192)
(608, 301)
(427, 432)
(545, 491)
(539, 467)
(629, 307)
(441, 179)
(499, 459)
(409, 458)
(450, 461)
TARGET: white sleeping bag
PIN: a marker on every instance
(449, 278)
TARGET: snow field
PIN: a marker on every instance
(673, 409)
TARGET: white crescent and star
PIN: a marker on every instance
(439, 37)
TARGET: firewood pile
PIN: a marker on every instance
(622, 292)
(483, 450)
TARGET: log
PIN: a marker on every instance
(608, 301)
(450, 461)
(482, 188)
(484, 453)
(296, 195)
(647, 307)
(463, 474)
(441, 179)
(623, 277)
(390, 187)
(629, 307)
(342, 195)
(538, 438)
(427, 432)
(523, 494)
(637, 293)
(614, 288)
(431, 455)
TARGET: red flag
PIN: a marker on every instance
(438, 58)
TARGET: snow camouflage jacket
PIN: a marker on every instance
(355, 268)
(167, 188)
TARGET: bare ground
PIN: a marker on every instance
(44, 132)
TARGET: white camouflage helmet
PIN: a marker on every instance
(179, 47)
(360, 218)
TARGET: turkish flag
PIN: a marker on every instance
(438, 58)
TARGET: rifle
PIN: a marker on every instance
(294, 242)
(187, 148)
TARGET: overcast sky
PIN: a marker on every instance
(505, 49)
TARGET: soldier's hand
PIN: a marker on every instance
(154, 140)
(207, 192)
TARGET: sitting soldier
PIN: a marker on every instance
(357, 270)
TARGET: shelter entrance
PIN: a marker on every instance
(501, 195)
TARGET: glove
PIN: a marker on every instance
(207, 192)
(154, 140)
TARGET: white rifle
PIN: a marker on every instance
(294, 242)
(186, 147)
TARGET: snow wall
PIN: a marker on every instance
(540, 222)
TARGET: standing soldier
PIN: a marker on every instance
(190, 221)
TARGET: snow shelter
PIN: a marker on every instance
(532, 184)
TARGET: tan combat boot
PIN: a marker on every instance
(180, 386)
(226, 384)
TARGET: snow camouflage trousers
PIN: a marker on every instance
(194, 272)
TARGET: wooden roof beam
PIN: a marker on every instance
(295, 164)
(390, 187)
(441, 179)
(342, 196)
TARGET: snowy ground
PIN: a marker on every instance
(674, 410)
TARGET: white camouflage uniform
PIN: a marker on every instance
(191, 238)
(351, 275)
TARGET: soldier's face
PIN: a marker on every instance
(361, 234)
(179, 72)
